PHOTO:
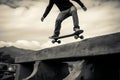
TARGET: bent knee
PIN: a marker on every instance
(73, 9)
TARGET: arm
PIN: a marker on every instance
(50, 5)
(81, 4)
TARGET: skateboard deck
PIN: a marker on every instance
(76, 35)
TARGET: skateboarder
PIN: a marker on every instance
(66, 9)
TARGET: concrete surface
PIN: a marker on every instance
(101, 45)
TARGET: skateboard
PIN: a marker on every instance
(76, 34)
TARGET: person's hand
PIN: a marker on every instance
(42, 19)
(84, 8)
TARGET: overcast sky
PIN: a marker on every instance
(20, 23)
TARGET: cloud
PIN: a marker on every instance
(21, 3)
(21, 23)
(33, 45)
(10, 3)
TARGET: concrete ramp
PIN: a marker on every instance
(101, 45)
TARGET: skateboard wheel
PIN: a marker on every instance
(81, 37)
(53, 41)
(76, 36)
(59, 41)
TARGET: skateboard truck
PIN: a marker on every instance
(56, 40)
(77, 36)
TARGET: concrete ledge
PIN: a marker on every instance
(101, 45)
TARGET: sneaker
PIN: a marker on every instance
(76, 29)
(53, 36)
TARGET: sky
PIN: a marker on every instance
(20, 23)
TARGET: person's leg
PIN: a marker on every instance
(62, 15)
(73, 12)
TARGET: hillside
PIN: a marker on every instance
(13, 51)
